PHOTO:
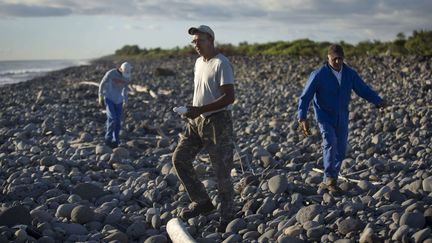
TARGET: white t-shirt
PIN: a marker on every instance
(209, 77)
(337, 74)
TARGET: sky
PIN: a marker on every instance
(68, 29)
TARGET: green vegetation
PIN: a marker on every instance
(420, 43)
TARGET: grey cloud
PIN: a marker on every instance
(23, 10)
(353, 14)
(222, 9)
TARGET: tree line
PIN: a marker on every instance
(419, 43)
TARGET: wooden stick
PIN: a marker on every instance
(345, 178)
(89, 83)
(177, 232)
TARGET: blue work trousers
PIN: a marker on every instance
(334, 146)
(113, 122)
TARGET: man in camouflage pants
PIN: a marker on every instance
(209, 126)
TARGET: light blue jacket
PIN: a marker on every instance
(114, 86)
(331, 100)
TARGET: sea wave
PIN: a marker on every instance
(18, 71)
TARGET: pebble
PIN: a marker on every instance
(414, 220)
(278, 184)
(73, 187)
(81, 214)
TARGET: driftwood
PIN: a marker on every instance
(92, 83)
(178, 232)
(135, 88)
(345, 178)
(39, 96)
(156, 129)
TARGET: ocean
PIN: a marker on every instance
(22, 70)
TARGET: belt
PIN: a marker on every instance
(216, 113)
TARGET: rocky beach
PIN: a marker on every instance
(60, 183)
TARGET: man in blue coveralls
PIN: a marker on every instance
(330, 88)
(113, 91)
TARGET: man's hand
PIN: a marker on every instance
(101, 101)
(193, 112)
(304, 126)
(382, 105)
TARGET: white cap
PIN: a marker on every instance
(202, 29)
(126, 69)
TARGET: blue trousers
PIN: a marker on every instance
(113, 122)
(334, 147)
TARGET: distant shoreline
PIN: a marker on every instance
(16, 71)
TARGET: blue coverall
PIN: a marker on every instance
(114, 88)
(331, 101)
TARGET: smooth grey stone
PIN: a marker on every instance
(421, 235)
(85, 137)
(278, 184)
(116, 236)
(156, 239)
(82, 214)
(344, 241)
(267, 207)
(232, 239)
(272, 148)
(293, 230)
(15, 215)
(156, 221)
(102, 149)
(427, 184)
(114, 216)
(310, 224)
(414, 220)
(236, 225)
(137, 229)
(41, 215)
(308, 213)
(48, 160)
(380, 193)
(316, 232)
(348, 225)
(368, 236)
(46, 239)
(401, 234)
(72, 229)
(88, 191)
(121, 153)
(251, 235)
(267, 235)
(65, 210)
(289, 239)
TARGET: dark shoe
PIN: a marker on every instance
(111, 144)
(196, 209)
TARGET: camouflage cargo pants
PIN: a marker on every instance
(215, 134)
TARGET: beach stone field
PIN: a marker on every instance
(60, 183)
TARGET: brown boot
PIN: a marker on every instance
(196, 209)
(330, 184)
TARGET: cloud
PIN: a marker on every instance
(21, 10)
(215, 10)
(367, 17)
